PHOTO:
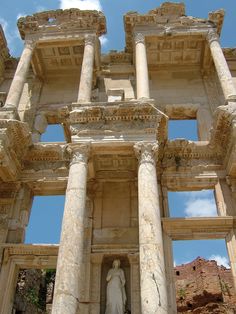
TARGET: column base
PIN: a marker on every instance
(230, 99)
(9, 112)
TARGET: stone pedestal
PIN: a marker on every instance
(142, 80)
(152, 263)
(70, 277)
(221, 65)
(17, 85)
(86, 77)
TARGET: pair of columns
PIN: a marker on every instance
(224, 75)
(69, 295)
(20, 77)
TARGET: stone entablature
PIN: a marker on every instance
(60, 21)
(168, 20)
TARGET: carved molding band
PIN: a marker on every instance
(146, 152)
(79, 153)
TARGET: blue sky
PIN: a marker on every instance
(114, 11)
(47, 211)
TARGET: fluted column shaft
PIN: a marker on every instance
(86, 77)
(151, 253)
(20, 77)
(70, 274)
(221, 66)
(142, 79)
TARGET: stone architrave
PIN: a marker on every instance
(69, 283)
(221, 66)
(151, 252)
(17, 85)
(86, 77)
(142, 80)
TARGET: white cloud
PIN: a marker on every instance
(221, 260)
(81, 4)
(11, 34)
(4, 24)
(20, 15)
(103, 40)
(200, 204)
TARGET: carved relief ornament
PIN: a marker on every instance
(146, 152)
(212, 36)
(89, 40)
(139, 38)
(79, 153)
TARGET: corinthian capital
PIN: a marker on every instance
(79, 153)
(89, 39)
(146, 152)
(139, 38)
(30, 43)
(212, 36)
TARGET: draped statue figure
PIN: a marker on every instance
(116, 296)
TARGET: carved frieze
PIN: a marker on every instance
(123, 118)
(183, 154)
(14, 141)
(46, 152)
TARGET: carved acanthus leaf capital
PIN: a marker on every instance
(30, 43)
(139, 38)
(89, 39)
(79, 153)
(212, 36)
(146, 152)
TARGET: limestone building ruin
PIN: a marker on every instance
(117, 164)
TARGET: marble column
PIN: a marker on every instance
(204, 121)
(70, 277)
(86, 76)
(221, 66)
(20, 77)
(231, 244)
(142, 79)
(151, 253)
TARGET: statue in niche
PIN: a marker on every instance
(116, 296)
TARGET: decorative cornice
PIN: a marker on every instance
(62, 20)
(114, 57)
(217, 19)
(46, 152)
(146, 152)
(122, 111)
(124, 118)
(229, 53)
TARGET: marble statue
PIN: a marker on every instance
(116, 296)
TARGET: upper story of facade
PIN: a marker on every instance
(167, 58)
(172, 67)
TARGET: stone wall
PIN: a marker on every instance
(202, 286)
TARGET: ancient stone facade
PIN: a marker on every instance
(117, 164)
